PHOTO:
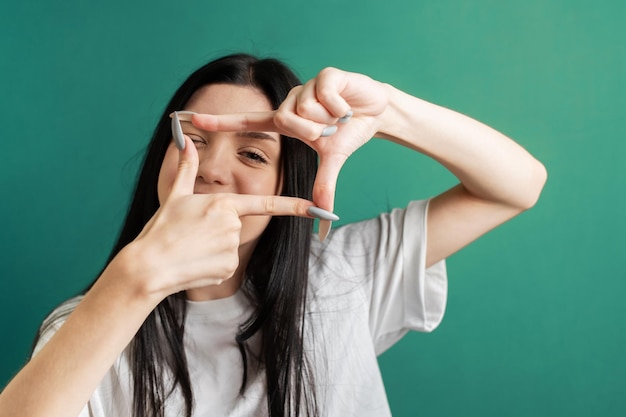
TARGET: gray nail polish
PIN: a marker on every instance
(328, 130)
(324, 229)
(322, 214)
(183, 115)
(177, 132)
(346, 118)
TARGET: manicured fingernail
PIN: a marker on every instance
(323, 229)
(346, 118)
(328, 130)
(177, 132)
(183, 115)
(322, 214)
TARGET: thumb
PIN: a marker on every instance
(187, 170)
(326, 180)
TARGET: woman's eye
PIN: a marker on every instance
(197, 140)
(254, 157)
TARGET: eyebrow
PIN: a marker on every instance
(256, 135)
(248, 135)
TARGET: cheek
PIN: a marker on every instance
(252, 227)
(266, 183)
(167, 173)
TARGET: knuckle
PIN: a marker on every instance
(328, 72)
(307, 108)
(324, 188)
(244, 122)
(299, 207)
(231, 263)
(231, 226)
(220, 202)
(302, 207)
(325, 93)
(231, 241)
(281, 119)
(184, 165)
(235, 228)
(295, 90)
(269, 204)
(312, 133)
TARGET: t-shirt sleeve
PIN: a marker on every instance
(50, 326)
(54, 321)
(388, 253)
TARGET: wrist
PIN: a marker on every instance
(395, 114)
(406, 118)
(129, 274)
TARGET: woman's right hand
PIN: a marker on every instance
(193, 239)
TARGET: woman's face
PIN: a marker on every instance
(229, 162)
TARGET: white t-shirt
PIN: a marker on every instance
(369, 287)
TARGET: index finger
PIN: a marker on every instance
(274, 205)
(235, 122)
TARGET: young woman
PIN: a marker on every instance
(217, 300)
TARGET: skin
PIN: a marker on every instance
(229, 162)
(498, 178)
(194, 240)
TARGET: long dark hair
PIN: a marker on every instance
(276, 277)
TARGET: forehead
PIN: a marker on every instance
(228, 98)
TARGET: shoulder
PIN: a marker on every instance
(394, 225)
(357, 251)
(62, 310)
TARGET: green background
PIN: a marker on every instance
(535, 320)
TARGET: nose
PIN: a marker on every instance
(214, 164)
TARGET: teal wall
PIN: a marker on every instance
(535, 324)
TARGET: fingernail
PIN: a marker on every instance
(328, 130)
(323, 229)
(183, 115)
(322, 214)
(346, 118)
(177, 132)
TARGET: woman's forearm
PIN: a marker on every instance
(499, 179)
(488, 164)
(60, 379)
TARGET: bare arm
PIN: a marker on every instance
(59, 380)
(191, 242)
(499, 179)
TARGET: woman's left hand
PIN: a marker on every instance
(312, 110)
